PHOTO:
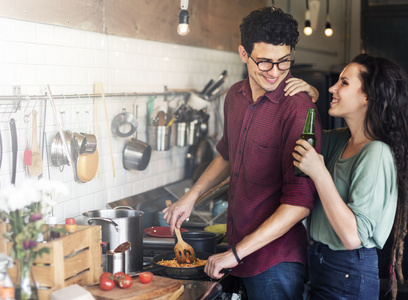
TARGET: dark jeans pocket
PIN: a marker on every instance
(369, 288)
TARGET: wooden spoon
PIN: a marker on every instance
(161, 117)
(184, 252)
(36, 167)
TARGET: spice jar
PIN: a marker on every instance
(52, 222)
(6, 286)
(70, 225)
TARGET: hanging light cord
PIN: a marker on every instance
(307, 4)
(327, 7)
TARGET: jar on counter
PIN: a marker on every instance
(105, 249)
(70, 225)
(6, 286)
(52, 221)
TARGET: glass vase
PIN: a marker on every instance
(25, 286)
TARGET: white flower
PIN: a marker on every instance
(52, 189)
(31, 191)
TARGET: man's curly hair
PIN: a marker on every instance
(269, 25)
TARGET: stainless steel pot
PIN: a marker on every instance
(119, 226)
(90, 144)
(81, 141)
(59, 156)
(136, 155)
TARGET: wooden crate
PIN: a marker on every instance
(75, 258)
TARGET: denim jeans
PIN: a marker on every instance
(344, 274)
(284, 281)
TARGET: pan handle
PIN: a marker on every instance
(220, 237)
(157, 268)
(105, 220)
(153, 269)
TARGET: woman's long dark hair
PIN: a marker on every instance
(386, 87)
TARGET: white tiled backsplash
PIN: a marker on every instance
(71, 61)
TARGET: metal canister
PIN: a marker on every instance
(116, 262)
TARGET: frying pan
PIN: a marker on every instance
(88, 162)
(180, 273)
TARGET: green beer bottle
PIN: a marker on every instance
(308, 135)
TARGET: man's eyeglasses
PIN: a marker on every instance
(265, 65)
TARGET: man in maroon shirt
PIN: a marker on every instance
(266, 201)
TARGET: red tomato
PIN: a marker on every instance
(105, 274)
(118, 274)
(106, 283)
(125, 281)
(117, 277)
(145, 277)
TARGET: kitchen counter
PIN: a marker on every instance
(161, 288)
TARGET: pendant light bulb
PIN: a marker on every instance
(184, 17)
(328, 31)
(183, 29)
(308, 28)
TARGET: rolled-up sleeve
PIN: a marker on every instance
(373, 193)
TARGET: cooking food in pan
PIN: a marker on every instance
(174, 264)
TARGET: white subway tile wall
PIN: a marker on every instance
(70, 61)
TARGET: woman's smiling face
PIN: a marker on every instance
(348, 98)
(265, 81)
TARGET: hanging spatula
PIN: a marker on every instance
(184, 252)
(36, 167)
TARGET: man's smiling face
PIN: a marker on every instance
(265, 81)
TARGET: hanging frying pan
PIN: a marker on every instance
(88, 163)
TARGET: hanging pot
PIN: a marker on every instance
(136, 154)
(59, 156)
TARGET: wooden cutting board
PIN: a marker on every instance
(158, 287)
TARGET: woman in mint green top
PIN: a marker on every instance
(366, 182)
(361, 179)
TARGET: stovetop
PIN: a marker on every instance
(205, 286)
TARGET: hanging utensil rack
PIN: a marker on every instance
(12, 103)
